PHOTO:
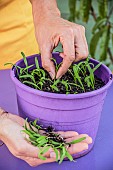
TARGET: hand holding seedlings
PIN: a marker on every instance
(79, 78)
(46, 138)
(11, 127)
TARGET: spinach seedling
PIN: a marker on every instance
(54, 85)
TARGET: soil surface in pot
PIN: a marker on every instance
(61, 88)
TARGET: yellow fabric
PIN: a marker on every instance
(16, 31)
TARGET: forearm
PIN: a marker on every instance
(44, 8)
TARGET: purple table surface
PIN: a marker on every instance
(100, 157)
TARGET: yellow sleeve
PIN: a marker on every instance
(16, 31)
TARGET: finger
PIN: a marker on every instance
(33, 151)
(76, 137)
(68, 54)
(46, 60)
(88, 139)
(78, 147)
(68, 134)
(35, 161)
(81, 46)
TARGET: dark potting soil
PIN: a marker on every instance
(62, 89)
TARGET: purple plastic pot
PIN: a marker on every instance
(78, 112)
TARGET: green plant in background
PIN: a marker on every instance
(102, 32)
(46, 138)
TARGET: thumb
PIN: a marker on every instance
(47, 64)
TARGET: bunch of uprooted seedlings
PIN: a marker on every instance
(46, 138)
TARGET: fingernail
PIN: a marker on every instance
(86, 146)
(52, 75)
(90, 140)
(76, 133)
(58, 77)
(86, 135)
(52, 155)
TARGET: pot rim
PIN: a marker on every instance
(61, 96)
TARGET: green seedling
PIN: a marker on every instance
(77, 77)
(57, 66)
(54, 85)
